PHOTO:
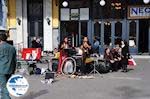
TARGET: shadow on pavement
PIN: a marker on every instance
(33, 95)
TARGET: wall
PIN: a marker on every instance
(55, 23)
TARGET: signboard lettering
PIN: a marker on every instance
(138, 12)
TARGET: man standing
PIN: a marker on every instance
(7, 63)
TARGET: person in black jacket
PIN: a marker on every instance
(125, 54)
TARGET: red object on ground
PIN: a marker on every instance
(131, 63)
(31, 53)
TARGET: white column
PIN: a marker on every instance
(25, 29)
(19, 16)
(48, 44)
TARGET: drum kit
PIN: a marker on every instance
(69, 64)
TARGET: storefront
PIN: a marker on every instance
(108, 23)
(28, 19)
(52, 20)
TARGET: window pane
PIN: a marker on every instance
(107, 33)
(84, 28)
(118, 29)
(97, 30)
(132, 34)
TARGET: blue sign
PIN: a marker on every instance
(17, 85)
(138, 12)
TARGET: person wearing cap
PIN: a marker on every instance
(7, 63)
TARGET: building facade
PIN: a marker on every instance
(52, 20)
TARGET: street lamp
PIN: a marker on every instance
(146, 1)
(65, 4)
(102, 2)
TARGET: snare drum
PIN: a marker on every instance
(68, 66)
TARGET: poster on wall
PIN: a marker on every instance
(84, 13)
(65, 15)
(74, 14)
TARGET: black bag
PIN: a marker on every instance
(103, 67)
(31, 68)
(49, 75)
(37, 71)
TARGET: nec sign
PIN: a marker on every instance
(138, 12)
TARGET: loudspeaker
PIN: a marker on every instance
(49, 75)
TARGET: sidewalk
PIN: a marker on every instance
(141, 56)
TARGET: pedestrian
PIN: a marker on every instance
(125, 55)
(7, 63)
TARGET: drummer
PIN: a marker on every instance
(87, 50)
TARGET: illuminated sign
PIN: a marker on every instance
(138, 12)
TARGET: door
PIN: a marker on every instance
(75, 30)
(108, 32)
(35, 20)
(143, 36)
(132, 29)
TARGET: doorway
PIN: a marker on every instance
(75, 30)
(143, 36)
(35, 20)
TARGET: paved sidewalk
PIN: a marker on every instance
(114, 85)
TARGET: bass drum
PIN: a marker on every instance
(68, 66)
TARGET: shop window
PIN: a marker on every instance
(132, 34)
(83, 29)
(97, 31)
(118, 32)
(107, 34)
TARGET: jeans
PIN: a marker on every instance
(4, 91)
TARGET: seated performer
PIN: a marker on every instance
(86, 49)
(108, 56)
(116, 52)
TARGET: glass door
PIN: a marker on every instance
(108, 33)
(118, 32)
(83, 30)
(75, 30)
(133, 35)
(35, 20)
